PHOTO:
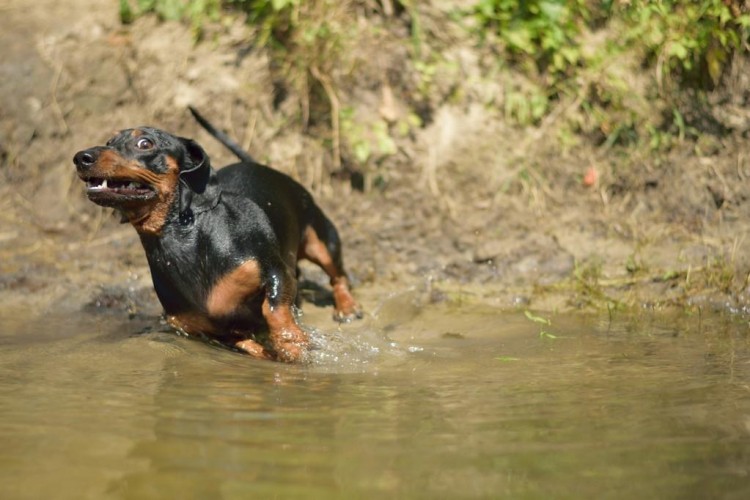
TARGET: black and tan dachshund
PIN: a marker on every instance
(222, 245)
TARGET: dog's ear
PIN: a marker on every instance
(195, 173)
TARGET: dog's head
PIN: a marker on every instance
(148, 175)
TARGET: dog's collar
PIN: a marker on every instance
(205, 207)
(187, 217)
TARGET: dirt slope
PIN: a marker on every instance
(469, 207)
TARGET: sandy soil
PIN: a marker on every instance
(469, 208)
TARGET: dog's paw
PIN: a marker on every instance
(348, 315)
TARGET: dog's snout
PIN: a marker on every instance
(86, 158)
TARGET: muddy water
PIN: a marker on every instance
(418, 402)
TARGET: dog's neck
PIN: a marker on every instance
(150, 219)
(204, 201)
(147, 220)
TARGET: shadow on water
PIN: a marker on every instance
(417, 401)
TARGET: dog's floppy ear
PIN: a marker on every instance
(195, 173)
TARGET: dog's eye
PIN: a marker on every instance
(144, 143)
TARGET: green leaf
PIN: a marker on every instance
(536, 319)
(126, 12)
(362, 151)
(519, 39)
(554, 11)
(678, 50)
(486, 9)
(507, 359)
(743, 20)
(278, 5)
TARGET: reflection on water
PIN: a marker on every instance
(451, 402)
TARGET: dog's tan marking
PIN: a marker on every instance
(195, 324)
(146, 217)
(254, 349)
(288, 339)
(191, 323)
(234, 288)
(315, 250)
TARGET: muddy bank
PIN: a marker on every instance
(467, 208)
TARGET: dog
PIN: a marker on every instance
(222, 245)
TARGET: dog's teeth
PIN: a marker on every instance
(114, 185)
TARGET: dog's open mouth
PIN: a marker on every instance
(105, 191)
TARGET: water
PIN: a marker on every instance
(443, 402)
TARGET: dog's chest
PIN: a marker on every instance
(181, 271)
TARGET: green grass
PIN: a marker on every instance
(582, 62)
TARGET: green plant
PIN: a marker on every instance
(309, 42)
(688, 44)
(198, 12)
(690, 41)
(544, 40)
(366, 140)
(525, 106)
(543, 32)
(543, 334)
(575, 63)
(720, 273)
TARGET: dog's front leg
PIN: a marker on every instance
(288, 340)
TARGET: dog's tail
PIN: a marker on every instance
(221, 137)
